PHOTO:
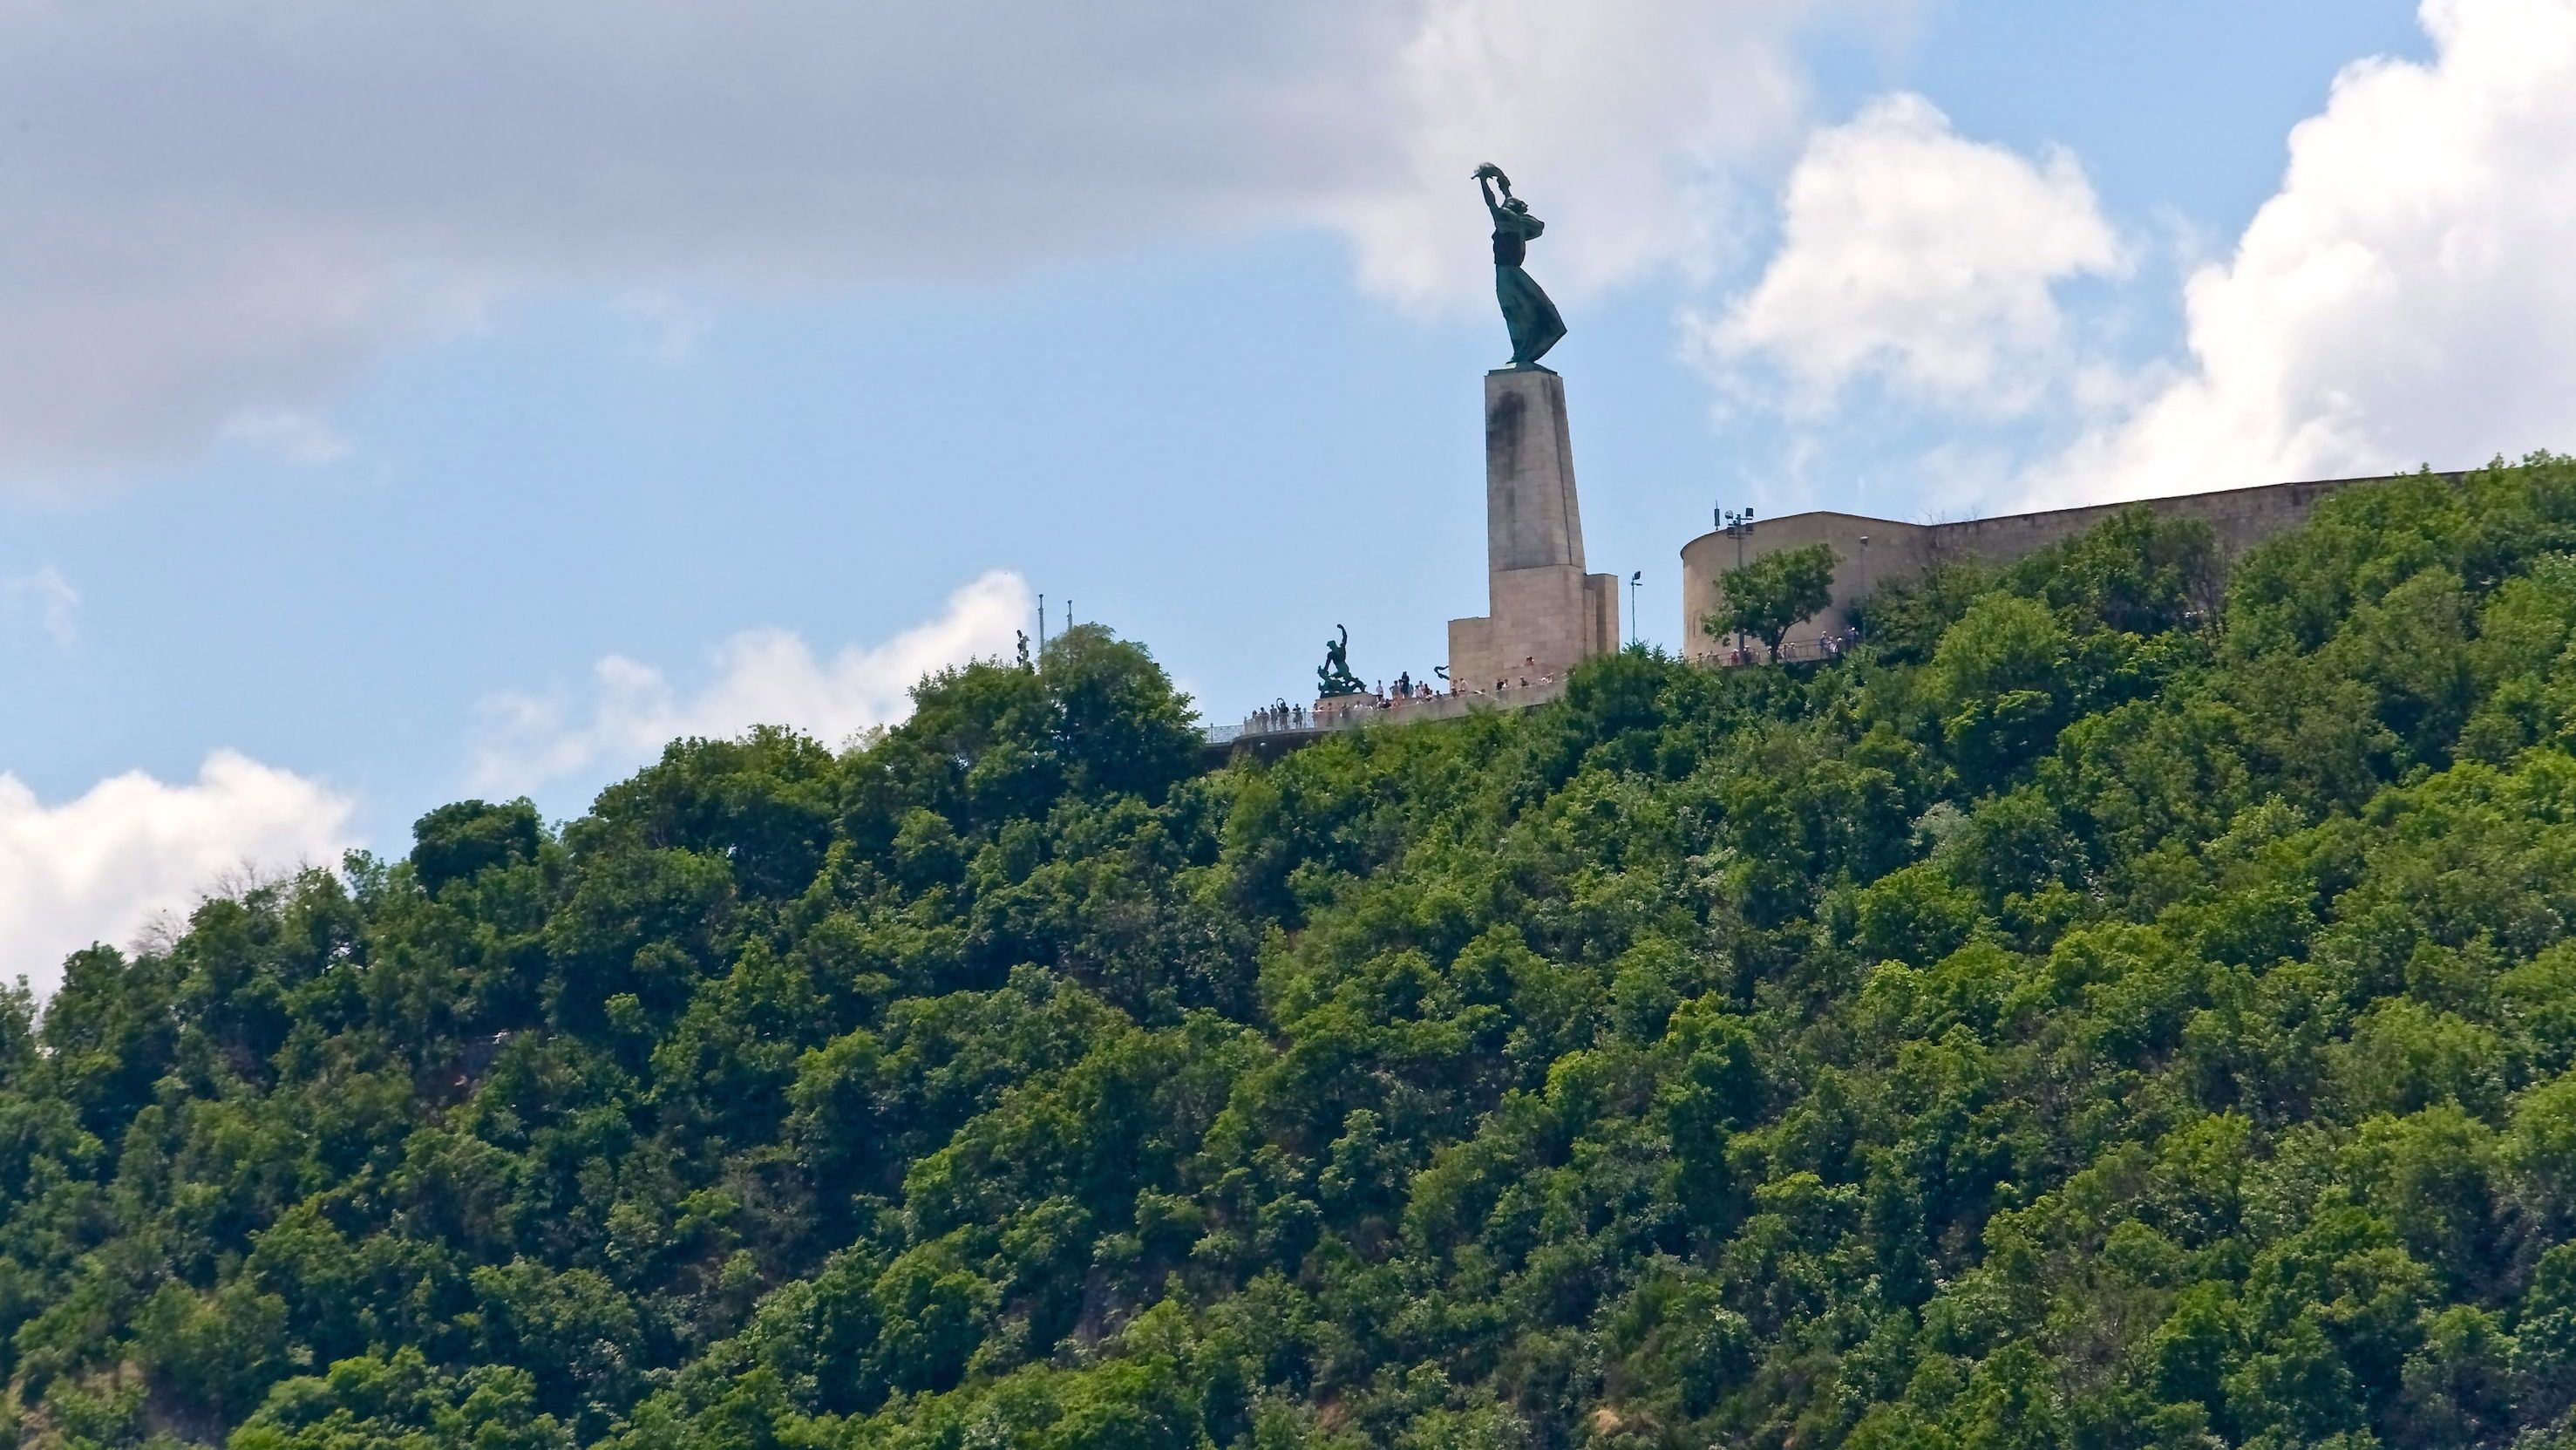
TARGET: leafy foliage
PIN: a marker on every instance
(1767, 597)
(2106, 1010)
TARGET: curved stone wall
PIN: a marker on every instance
(1870, 552)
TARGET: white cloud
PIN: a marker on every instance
(226, 213)
(1911, 253)
(2405, 297)
(102, 866)
(46, 597)
(294, 436)
(760, 677)
(1624, 122)
(671, 326)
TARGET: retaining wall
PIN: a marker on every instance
(1870, 552)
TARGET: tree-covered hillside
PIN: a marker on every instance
(2115, 1006)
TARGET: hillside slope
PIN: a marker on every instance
(2103, 1011)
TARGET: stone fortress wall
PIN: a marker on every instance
(1870, 552)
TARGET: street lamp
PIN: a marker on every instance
(1738, 524)
(1864, 581)
(1633, 581)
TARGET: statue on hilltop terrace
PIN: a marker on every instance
(1333, 676)
(1533, 320)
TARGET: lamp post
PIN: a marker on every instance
(1633, 581)
(1738, 524)
(1864, 581)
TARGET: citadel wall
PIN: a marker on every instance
(1870, 552)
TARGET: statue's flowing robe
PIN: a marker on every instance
(1534, 324)
(1527, 312)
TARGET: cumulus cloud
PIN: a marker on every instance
(2404, 297)
(224, 213)
(102, 866)
(759, 677)
(47, 599)
(1911, 253)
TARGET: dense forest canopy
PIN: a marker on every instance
(2116, 1005)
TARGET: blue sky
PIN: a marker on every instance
(345, 448)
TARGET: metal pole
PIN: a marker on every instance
(1739, 525)
(1634, 580)
(1864, 580)
(1717, 515)
(1041, 624)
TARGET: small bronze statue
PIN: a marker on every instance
(1333, 676)
(1533, 320)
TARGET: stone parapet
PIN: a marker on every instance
(1333, 710)
(1224, 743)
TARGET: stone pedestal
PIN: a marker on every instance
(1545, 613)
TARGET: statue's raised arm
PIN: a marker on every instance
(1527, 312)
(1333, 676)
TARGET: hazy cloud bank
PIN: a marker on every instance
(45, 599)
(226, 213)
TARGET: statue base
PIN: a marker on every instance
(1547, 613)
(1545, 622)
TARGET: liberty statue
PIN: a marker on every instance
(1534, 323)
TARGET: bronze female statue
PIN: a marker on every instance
(1533, 320)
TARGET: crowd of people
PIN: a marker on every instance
(1403, 691)
(1827, 645)
(1281, 716)
(1529, 667)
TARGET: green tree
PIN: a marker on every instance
(1769, 596)
(456, 842)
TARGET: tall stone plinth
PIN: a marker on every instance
(1544, 613)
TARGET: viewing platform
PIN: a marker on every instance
(1266, 734)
